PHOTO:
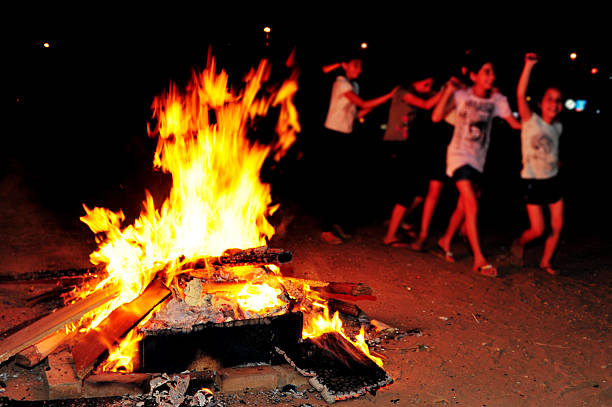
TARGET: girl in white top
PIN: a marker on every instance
(345, 105)
(475, 109)
(540, 155)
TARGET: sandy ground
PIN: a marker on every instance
(524, 339)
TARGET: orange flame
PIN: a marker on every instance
(323, 324)
(217, 200)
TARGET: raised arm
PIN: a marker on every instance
(521, 90)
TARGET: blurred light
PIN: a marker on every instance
(364, 45)
(580, 105)
(528, 98)
(573, 56)
(267, 29)
(46, 45)
(594, 70)
(570, 104)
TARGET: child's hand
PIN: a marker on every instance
(532, 58)
(455, 83)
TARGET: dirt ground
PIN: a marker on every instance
(523, 339)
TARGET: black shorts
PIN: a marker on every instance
(542, 191)
(469, 173)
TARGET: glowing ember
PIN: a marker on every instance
(323, 324)
(258, 298)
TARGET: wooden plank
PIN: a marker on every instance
(50, 323)
(93, 344)
(33, 355)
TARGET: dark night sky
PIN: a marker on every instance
(81, 106)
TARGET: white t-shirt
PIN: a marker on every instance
(540, 148)
(471, 136)
(342, 111)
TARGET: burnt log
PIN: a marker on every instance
(337, 369)
(353, 289)
(259, 256)
(95, 343)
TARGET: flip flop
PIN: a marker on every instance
(416, 246)
(396, 243)
(447, 255)
(488, 270)
(550, 270)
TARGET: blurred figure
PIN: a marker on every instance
(338, 152)
(540, 173)
(408, 134)
(475, 108)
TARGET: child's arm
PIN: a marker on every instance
(369, 104)
(521, 90)
(331, 67)
(426, 104)
(445, 104)
(511, 120)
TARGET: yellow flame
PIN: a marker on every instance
(322, 324)
(258, 297)
(217, 200)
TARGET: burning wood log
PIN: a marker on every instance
(259, 256)
(89, 348)
(53, 322)
(353, 289)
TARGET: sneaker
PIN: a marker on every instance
(330, 238)
(340, 232)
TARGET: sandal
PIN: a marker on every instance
(447, 255)
(550, 270)
(488, 270)
(416, 246)
(330, 238)
(396, 243)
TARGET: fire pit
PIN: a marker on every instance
(172, 292)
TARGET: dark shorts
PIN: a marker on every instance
(467, 172)
(542, 191)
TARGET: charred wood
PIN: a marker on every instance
(335, 367)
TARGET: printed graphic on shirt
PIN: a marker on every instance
(477, 117)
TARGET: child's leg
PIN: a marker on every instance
(396, 218)
(536, 224)
(431, 200)
(536, 228)
(454, 223)
(556, 225)
(468, 196)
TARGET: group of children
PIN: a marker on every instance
(421, 122)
